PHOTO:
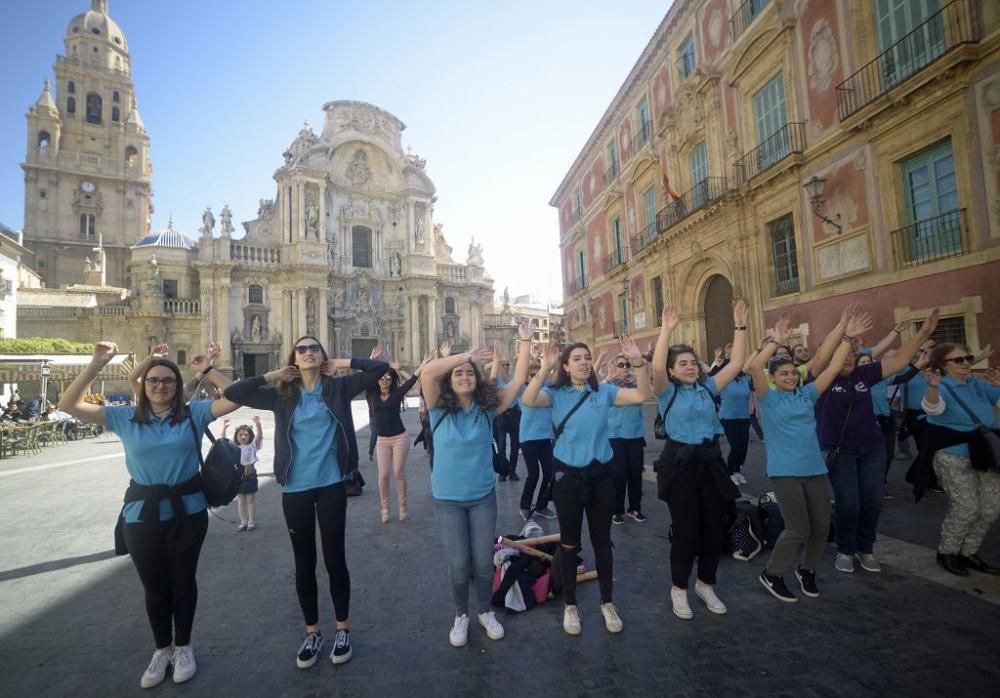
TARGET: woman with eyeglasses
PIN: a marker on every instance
(626, 432)
(385, 401)
(691, 475)
(584, 482)
(165, 518)
(463, 409)
(315, 451)
(962, 462)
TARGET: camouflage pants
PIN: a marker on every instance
(973, 503)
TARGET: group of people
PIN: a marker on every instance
(582, 439)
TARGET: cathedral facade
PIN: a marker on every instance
(346, 249)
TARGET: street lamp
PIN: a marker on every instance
(814, 190)
(45, 372)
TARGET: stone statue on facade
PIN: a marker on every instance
(266, 208)
(312, 220)
(207, 222)
(358, 171)
(420, 232)
(475, 256)
(310, 314)
(255, 330)
(442, 250)
(87, 264)
(395, 265)
(506, 297)
(226, 224)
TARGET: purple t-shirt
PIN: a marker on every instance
(831, 410)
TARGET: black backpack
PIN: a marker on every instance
(221, 470)
(745, 532)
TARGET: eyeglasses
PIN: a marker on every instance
(385, 378)
(624, 365)
(505, 364)
(304, 348)
(165, 382)
(967, 359)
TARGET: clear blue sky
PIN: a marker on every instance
(498, 97)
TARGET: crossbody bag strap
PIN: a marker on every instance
(961, 403)
(562, 424)
(443, 417)
(847, 418)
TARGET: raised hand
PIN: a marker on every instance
(602, 357)
(900, 327)
(993, 376)
(930, 324)
(103, 353)
(225, 423)
(986, 353)
(256, 420)
(630, 348)
(480, 355)
(741, 313)
(286, 374)
(213, 350)
(781, 329)
(429, 356)
(377, 351)
(327, 368)
(858, 324)
(550, 356)
(200, 363)
(669, 317)
(718, 355)
(525, 331)
(160, 351)
(933, 378)
(394, 365)
(445, 349)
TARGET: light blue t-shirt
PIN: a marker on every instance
(692, 418)
(585, 436)
(736, 398)
(789, 423)
(980, 397)
(463, 454)
(314, 454)
(913, 392)
(161, 453)
(881, 390)
(625, 422)
(536, 422)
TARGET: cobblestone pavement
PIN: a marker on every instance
(72, 619)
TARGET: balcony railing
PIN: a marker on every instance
(644, 237)
(953, 25)
(577, 285)
(694, 199)
(790, 138)
(181, 306)
(642, 137)
(619, 329)
(613, 260)
(744, 16)
(611, 174)
(931, 239)
(254, 255)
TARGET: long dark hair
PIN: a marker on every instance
(142, 408)
(675, 351)
(374, 393)
(486, 395)
(562, 376)
(290, 391)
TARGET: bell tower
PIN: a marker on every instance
(87, 170)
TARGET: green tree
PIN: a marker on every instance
(43, 345)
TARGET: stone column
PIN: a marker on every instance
(414, 333)
(223, 329)
(432, 321)
(300, 312)
(300, 213)
(323, 323)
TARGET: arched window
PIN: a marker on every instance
(115, 114)
(94, 108)
(255, 294)
(43, 140)
(131, 156)
(449, 305)
(361, 246)
(87, 226)
(71, 105)
(71, 87)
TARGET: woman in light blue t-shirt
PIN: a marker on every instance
(463, 409)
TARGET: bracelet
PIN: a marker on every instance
(775, 342)
(849, 338)
(740, 328)
(524, 340)
(639, 365)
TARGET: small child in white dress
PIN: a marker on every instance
(249, 445)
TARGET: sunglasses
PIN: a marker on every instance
(304, 348)
(967, 359)
(165, 382)
(624, 365)
(385, 378)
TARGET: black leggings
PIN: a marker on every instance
(698, 516)
(328, 506)
(165, 555)
(537, 453)
(570, 510)
(508, 425)
(628, 462)
(738, 436)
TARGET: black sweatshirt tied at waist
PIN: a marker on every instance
(706, 457)
(150, 496)
(589, 476)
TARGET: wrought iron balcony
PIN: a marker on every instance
(931, 239)
(577, 285)
(790, 138)
(644, 237)
(611, 174)
(642, 137)
(694, 199)
(744, 16)
(953, 25)
(613, 260)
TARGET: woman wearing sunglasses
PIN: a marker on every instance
(970, 479)
(315, 451)
(626, 432)
(165, 516)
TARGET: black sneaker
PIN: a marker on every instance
(807, 580)
(341, 647)
(309, 650)
(618, 519)
(545, 512)
(776, 585)
(514, 477)
(525, 513)
(636, 515)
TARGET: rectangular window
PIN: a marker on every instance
(645, 130)
(612, 162)
(182, 357)
(649, 207)
(910, 35)
(361, 246)
(657, 285)
(786, 265)
(686, 58)
(578, 204)
(932, 206)
(616, 241)
(698, 165)
(623, 313)
(769, 114)
(87, 226)
(581, 268)
(949, 330)
(170, 288)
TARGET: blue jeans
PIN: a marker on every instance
(857, 476)
(468, 531)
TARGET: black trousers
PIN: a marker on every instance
(698, 515)
(628, 463)
(537, 454)
(328, 506)
(738, 436)
(566, 493)
(508, 425)
(888, 428)
(165, 555)
(755, 423)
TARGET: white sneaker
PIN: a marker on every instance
(612, 621)
(844, 563)
(459, 634)
(869, 562)
(679, 599)
(184, 664)
(157, 669)
(707, 594)
(571, 621)
(489, 621)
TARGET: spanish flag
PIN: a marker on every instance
(667, 191)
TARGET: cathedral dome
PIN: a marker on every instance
(168, 237)
(96, 22)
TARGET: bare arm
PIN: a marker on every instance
(739, 354)
(668, 322)
(72, 398)
(905, 353)
(135, 376)
(510, 391)
(225, 429)
(434, 371)
(642, 391)
(856, 325)
(822, 356)
(533, 395)
(760, 358)
(888, 340)
(259, 441)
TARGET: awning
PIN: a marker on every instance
(25, 368)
